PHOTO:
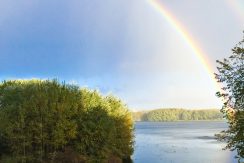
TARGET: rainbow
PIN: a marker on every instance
(238, 8)
(199, 53)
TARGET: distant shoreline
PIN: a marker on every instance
(168, 115)
(187, 121)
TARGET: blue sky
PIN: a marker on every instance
(122, 47)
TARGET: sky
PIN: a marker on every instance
(123, 47)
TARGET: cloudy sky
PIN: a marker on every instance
(124, 47)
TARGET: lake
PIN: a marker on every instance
(180, 142)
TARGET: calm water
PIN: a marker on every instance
(180, 142)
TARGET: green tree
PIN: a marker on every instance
(46, 121)
(36, 117)
(231, 75)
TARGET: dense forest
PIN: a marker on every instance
(48, 121)
(177, 115)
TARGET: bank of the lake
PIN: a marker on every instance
(180, 142)
(177, 114)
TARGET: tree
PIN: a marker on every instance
(231, 75)
(46, 121)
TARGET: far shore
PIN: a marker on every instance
(188, 121)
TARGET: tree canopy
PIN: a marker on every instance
(161, 115)
(46, 121)
(231, 75)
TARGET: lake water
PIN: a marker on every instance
(180, 142)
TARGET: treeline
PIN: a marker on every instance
(160, 115)
(45, 121)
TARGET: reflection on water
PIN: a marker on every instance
(180, 142)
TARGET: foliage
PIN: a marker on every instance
(160, 115)
(45, 121)
(231, 75)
